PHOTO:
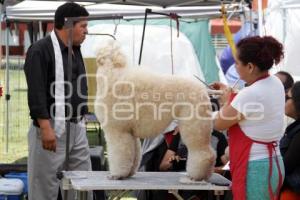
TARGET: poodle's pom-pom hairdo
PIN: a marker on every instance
(111, 55)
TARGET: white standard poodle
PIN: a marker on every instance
(133, 103)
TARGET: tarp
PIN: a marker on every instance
(44, 10)
(286, 14)
(194, 34)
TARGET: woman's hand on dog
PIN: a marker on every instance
(218, 86)
(226, 92)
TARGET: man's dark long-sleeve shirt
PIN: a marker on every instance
(40, 75)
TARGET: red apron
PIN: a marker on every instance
(239, 151)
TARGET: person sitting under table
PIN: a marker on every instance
(167, 153)
(286, 79)
(290, 146)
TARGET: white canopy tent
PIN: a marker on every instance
(286, 14)
(44, 10)
(165, 4)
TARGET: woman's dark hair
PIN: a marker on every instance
(261, 51)
(68, 10)
(295, 91)
(288, 82)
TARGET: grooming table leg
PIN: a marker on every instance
(175, 193)
(218, 193)
(82, 195)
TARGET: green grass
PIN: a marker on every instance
(18, 118)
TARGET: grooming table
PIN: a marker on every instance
(83, 181)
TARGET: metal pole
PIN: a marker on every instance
(40, 30)
(284, 25)
(143, 35)
(69, 24)
(68, 100)
(7, 96)
(83, 195)
(0, 37)
(148, 11)
(260, 17)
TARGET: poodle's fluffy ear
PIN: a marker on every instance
(111, 55)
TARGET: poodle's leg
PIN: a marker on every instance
(137, 160)
(121, 153)
(201, 157)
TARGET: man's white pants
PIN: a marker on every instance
(43, 165)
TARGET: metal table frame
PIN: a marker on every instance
(83, 181)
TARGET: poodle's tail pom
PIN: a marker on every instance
(111, 55)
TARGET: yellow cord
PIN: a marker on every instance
(227, 32)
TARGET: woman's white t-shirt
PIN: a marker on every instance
(262, 105)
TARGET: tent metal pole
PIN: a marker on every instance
(297, 6)
(1, 53)
(40, 30)
(251, 20)
(284, 25)
(143, 35)
(141, 4)
(68, 100)
(149, 11)
(260, 17)
(7, 96)
(188, 3)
